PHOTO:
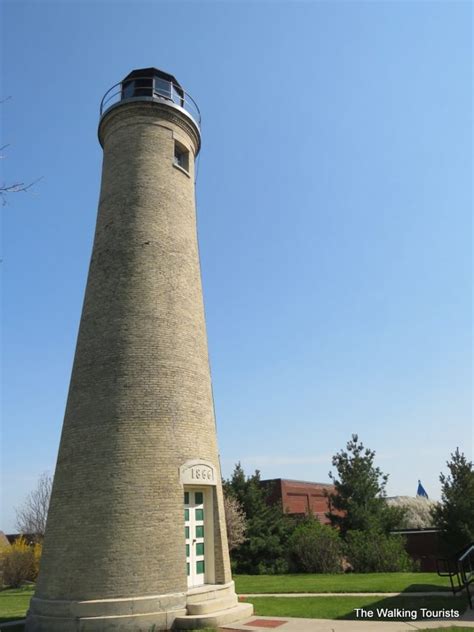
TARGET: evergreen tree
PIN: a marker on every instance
(455, 514)
(359, 499)
(268, 528)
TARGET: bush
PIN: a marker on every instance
(374, 552)
(19, 562)
(315, 548)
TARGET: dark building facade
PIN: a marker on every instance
(423, 546)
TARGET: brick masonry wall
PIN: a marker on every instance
(300, 497)
(140, 401)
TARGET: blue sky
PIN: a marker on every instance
(334, 210)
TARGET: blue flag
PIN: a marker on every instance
(421, 490)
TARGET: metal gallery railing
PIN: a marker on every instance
(150, 88)
(460, 570)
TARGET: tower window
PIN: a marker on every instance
(181, 156)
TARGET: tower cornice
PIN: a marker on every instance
(153, 109)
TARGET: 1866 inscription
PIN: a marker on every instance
(202, 473)
(198, 472)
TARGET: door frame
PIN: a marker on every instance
(208, 505)
(200, 475)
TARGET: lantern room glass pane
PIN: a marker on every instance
(127, 89)
(162, 88)
(139, 87)
(178, 96)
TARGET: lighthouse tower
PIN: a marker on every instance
(136, 536)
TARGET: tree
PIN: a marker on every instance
(31, 516)
(455, 513)
(359, 499)
(235, 521)
(15, 186)
(268, 528)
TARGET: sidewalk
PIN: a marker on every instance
(436, 593)
(287, 624)
(292, 624)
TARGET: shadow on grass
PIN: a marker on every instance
(426, 588)
(11, 628)
(8, 619)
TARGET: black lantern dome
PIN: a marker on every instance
(151, 84)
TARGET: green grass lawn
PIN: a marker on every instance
(350, 582)
(343, 607)
(14, 603)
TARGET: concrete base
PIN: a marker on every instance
(211, 606)
(205, 606)
(139, 614)
(214, 620)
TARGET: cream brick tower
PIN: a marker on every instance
(136, 531)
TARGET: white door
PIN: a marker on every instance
(194, 534)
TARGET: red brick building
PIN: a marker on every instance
(300, 497)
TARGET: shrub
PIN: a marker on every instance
(374, 552)
(19, 562)
(315, 548)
